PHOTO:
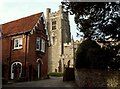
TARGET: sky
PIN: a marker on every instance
(15, 9)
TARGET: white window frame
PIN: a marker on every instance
(43, 45)
(38, 40)
(20, 43)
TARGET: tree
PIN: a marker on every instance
(99, 21)
(114, 64)
(91, 55)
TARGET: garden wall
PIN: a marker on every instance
(97, 78)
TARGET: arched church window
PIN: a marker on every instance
(53, 40)
(53, 24)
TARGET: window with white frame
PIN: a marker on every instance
(38, 43)
(17, 43)
(43, 45)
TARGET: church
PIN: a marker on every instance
(62, 47)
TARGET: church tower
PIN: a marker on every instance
(59, 31)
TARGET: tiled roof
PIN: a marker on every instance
(21, 25)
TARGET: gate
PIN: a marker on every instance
(69, 74)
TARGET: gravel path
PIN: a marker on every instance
(52, 82)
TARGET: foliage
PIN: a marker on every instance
(114, 64)
(83, 54)
(91, 55)
(57, 74)
(97, 20)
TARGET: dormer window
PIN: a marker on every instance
(17, 43)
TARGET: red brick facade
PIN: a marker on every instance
(25, 62)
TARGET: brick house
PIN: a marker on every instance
(25, 48)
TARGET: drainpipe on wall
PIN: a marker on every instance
(25, 56)
(9, 60)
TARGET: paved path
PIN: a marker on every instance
(52, 82)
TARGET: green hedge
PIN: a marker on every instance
(58, 74)
(90, 55)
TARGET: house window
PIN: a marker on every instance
(18, 43)
(53, 25)
(43, 45)
(38, 43)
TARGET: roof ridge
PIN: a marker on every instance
(21, 18)
(21, 25)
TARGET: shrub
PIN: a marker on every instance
(57, 74)
(91, 55)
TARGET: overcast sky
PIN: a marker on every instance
(15, 9)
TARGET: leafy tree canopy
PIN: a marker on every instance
(91, 55)
(87, 55)
(97, 20)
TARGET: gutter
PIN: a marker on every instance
(16, 34)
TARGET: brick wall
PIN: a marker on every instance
(27, 52)
(97, 78)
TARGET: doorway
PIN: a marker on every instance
(39, 67)
(16, 70)
(39, 70)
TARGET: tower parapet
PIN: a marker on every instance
(61, 8)
(48, 11)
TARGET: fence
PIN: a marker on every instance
(69, 74)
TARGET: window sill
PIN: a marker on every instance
(39, 51)
(17, 49)
(42, 51)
